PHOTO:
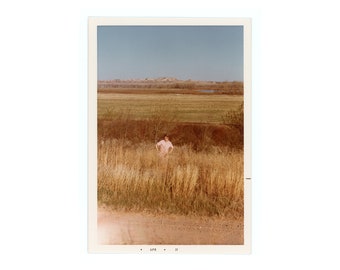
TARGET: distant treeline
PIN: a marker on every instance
(234, 87)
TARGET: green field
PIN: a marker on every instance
(173, 107)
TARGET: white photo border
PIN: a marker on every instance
(93, 246)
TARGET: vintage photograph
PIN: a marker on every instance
(169, 135)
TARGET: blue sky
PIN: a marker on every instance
(185, 52)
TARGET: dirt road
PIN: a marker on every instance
(119, 228)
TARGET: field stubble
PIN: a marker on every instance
(179, 107)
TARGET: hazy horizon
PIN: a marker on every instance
(165, 77)
(199, 53)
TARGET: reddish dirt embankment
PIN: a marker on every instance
(119, 228)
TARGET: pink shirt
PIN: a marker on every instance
(164, 147)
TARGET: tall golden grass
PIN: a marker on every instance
(131, 176)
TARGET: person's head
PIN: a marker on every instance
(166, 137)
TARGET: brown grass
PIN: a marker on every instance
(131, 176)
(204, 174)
(191, 87)
(198, 136)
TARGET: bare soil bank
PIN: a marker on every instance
(126, 228)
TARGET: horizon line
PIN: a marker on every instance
(169, 78)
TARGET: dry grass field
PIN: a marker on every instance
(131, 176)
(205, 108)
(204, 174)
